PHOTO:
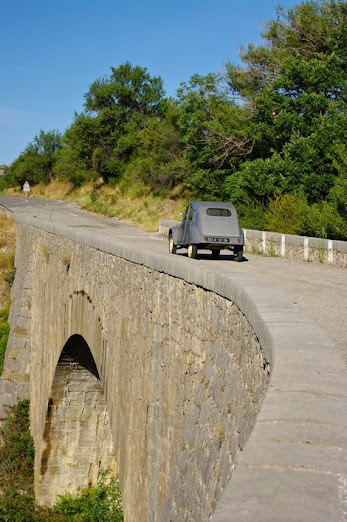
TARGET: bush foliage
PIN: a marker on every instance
(7, 272)
(16, 466)
(100, 504)
(4, 332)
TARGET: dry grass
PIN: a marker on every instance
(45, 251)
(134, 204)
(7, 251)
(143, 211)
(55, 190)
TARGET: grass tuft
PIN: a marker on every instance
(45, 251)
(7, 273)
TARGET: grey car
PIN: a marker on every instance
(208, 225)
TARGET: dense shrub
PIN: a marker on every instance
(286, 214)
(16, 466)
(100, 504)
(323, 220)
(4, 331)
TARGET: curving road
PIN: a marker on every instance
(294, 463)
(319, 290)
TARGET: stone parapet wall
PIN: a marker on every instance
(285, 245)
(297, 247)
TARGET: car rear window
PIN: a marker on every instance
(219, 212)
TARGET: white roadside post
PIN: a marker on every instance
(26, 188)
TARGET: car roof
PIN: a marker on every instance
(215, 204)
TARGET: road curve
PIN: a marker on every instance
(294, 463)
(319, 290)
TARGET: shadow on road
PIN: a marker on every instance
(208, 257)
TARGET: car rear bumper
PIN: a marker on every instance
(220, 245)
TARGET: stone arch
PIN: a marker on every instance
(78, 441)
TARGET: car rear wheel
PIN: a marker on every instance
(192, 251)
(238, 254)
(215, 253)
(172, 246)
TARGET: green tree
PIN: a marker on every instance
(160, 162)
(46, 144)
(36, 163)
(117, 108)
(214, 133)
(69, 166)
(295, 88)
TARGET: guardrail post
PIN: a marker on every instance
(264, 242)
(330, 251)
(306, 249)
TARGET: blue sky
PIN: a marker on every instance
(52, 50)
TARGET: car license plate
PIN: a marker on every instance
(217, 239)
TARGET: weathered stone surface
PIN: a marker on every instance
(182, 373)
(14, 377)
(74, 451)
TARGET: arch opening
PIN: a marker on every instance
(78, 440)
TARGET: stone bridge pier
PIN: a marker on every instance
(77, 441)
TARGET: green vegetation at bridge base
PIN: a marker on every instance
(16, 466)
(17, 502)
(102, 503)
(7, 274)
(4, 332)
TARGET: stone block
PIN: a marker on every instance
(15, 377)
(12, 352)
(20, 332)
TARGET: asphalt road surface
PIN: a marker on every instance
(319, 290)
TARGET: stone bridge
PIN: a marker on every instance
(139, 362)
